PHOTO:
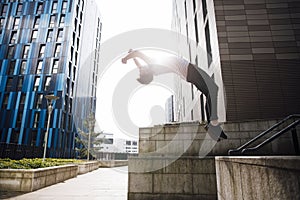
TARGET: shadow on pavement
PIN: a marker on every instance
(10, 194)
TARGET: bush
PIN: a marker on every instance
(34, 163)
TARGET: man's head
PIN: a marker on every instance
(146, 76)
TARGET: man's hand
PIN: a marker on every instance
(124, 60)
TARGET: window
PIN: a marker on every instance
(194, 5)
(36, 83)
(33, 138)
(62, 20)
(74, 73)
(26, 51)
(12, 67)
(39, 9)
(36, 22)
(23, 98)
(36, 120)
(1, 23)
(196, 29)
(9, 83)
(208, 44)
(5, 100)
(60, 35)
(42, 51)
(55, 67)
(39, 101)
(23, 67)
(204, 9)
(4, 9)
(52, 21)
(39, 67)
(20, 83)
(19, 9)
(64, 7)
(10, 51)
(47, 83)
(19, 119)
(50, 35)
(57, 50)
(34, 35)
(14, 136)
(13, 38)
(54, 7)
(16, 23)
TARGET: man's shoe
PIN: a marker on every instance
(216, 132)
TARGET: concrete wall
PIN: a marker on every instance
(113, 163)
(185, 178)
(27, 180)
(176, 161)
(258, 178)
(190, 139)
(88, 167)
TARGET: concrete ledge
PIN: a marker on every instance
(265, 177)
(112, 163)
(88, 167)
(172, 178)
(33, 179)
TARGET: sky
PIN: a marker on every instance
(120, 16)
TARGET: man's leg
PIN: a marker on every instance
(209, 88)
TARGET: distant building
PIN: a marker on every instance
(250, 48)
(46, 47)
(116, 148)
(170, 109)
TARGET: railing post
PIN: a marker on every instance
(295, 141)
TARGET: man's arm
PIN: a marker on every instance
(137, 54)
(137, 63)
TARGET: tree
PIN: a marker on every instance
(88, 143)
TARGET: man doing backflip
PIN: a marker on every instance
(189, 73)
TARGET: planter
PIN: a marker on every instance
(27, 180)
(113, 163)
(87, 167)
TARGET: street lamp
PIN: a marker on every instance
(50, 99)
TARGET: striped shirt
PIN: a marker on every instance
(170, 64)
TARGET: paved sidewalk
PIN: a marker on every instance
(104, 184)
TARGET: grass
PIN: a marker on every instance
(35, 163)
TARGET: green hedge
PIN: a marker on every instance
(34, 163)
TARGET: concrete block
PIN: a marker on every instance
(204, 165)
(173, 183)
(248, 126)
(146, 165)
(180, 166)
(228, 179)
(232, 127)
(146, 146)
(204, 184)
(284, 184)
(255, 182)
(263, 125)
(140, 183)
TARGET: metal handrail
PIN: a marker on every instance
(241, 148)
(273, 137)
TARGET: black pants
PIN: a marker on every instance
(208, 87)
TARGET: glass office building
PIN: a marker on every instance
(46, 47)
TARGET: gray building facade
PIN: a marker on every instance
(253, 53)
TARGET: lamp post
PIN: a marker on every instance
(50, 99)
